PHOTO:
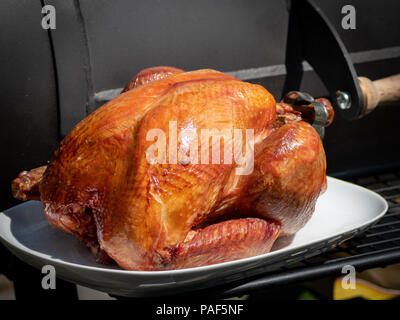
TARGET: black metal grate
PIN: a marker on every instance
(382, 237)
(378, 246)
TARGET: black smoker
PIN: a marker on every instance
(53, 78)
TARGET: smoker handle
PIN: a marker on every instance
(380, 92)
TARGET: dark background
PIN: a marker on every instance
(49, 78)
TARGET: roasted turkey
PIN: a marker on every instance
(146, 215)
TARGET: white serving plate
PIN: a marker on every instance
(342, 211)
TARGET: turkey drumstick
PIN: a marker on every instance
(26, 185)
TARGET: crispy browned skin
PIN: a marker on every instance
(243, 237)
(149, 75)
(289, 176)
(100, 187)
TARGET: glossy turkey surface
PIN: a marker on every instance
(145, 215)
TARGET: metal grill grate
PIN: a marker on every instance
(382, 237)
(379, 246)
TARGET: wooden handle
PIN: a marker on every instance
(380, 92)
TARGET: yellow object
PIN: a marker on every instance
(363, 289)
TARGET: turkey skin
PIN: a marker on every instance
(139, 183)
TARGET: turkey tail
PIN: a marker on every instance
(26, 185)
